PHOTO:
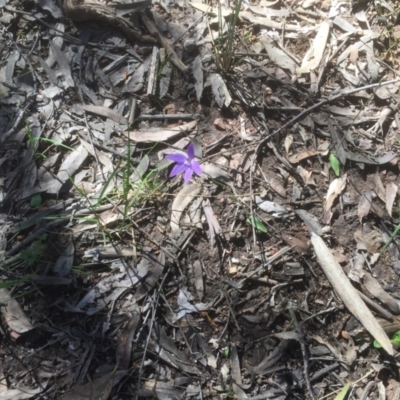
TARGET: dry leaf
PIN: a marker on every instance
(364, 205)
(13, 313)
(98, 389)
(236, 375)
(335, 189)
(314, 55)
(391, 192)
(288, 143)
(379, 188)
(159, 134)
(306, 176)
(376, 289)
(302, 155)
(105, 112)
(213, 224)
(181, 201)
(348, 294)
(125, 339)
(198, 275)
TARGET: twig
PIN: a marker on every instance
(318, 105)
(160, 117)
(164, 43)
(190, 27)
(304, 352)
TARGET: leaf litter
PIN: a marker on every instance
(109, 265)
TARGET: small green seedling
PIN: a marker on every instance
(335, 163)
(254, 221)
(36, 201)
(225, 352)
(343, 393)
(395, 340)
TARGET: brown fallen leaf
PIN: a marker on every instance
(159, 134)
(13, 314)
(391, 193)
(125, 339)
(348, 293)
(105, 112)
(335, 189)
(376, 289)
(379, 188)
(364, 205)
(181, 201)
(302, 155)
(98, 389)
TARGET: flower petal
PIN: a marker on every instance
(190, 151)
(196, 167)
(177, 157)
(188, 175)
(178, 169)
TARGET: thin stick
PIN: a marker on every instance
(304, 352)
(320, 104)
(160, 117)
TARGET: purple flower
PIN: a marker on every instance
(185, 163)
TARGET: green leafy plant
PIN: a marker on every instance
(343, 392)
(335, 164)
(257, 223)
(223, 46)
(395, 340)
(34, 254)
(392, 236)
(226, 352)
(36, 201)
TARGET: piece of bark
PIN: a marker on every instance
(84, 11)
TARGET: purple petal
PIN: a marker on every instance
(190, 151)
(196, 167)
(177, 157)
(178, 169)
(188, 175)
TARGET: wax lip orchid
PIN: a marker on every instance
(185, 163)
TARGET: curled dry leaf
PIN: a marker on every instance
(364, 205)
(243, 132)
(213, 224)
(348, 294)
(376, 289)
(288, 143)
(220, 90)
(391, 192)
(198, 275)
(186, 195)
(335, 189)
(13, 314)
(379, 188)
